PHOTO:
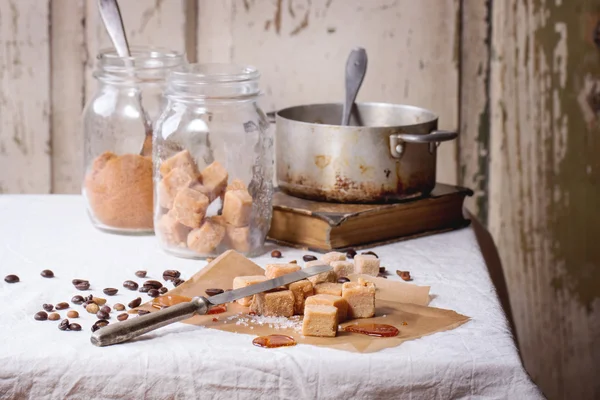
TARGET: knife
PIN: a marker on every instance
(131, 328)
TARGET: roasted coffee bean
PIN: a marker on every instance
(95, 328)
(171, 274)
(74, 327)
(78, 281)
(82, 286)
(131, 285)
(119, 307)
(213, 292)
(48, 307)
(135, 302)
(350, 253)
(369, 253)
(308, 257)
(102, 315)
(106, 309)
(101, 323)
(11, 278)
(152, 284)
(47, 273)
(343, 280)
(110, 291)
(143, 312)
(41, 316)
(62, 306)
(153, 293)
(73, 314)
(140, 274)
(144, 289)
(54, 316)
(89, 298)
(64, 325)
(92, 308)
(177, 282)
(122, 317)
(77, 299)
(405, 275)
(163, 290)
(276, 254)
(293, 262)
(87, 303)
(382, 270)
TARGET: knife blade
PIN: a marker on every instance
(131, 328)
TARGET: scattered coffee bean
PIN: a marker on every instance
(369, 253)
(177, 282)
(73, 314)
(135, 302)
(101, 323)
(88, 298)
(95, 328)
(144, 289)
(54, 316)
(74, 327)
(99, 300)
(77, 299)
(102, 315)
(382, 270)
(11, 279)
(293, 262)
(41, 316)
(48, 307)
(350, 253)
(64, 325)
(276, 254)
(143, 312)
(131, 285)
(110, 291)
(122, 317)
(119, 307)
(153, 293)
(62, 305)
(163, 290)
(343, 280)
(309, 257)
(171, 274)
(77, 281)
(405, 275)
(213, 292)
(140, 274)
(83, 286)
(92, 308)
(382, 276)
(88, 302)
(105, 309)
(152, 284)
(47, 273)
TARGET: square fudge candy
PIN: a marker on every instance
(214, 178)
(236, 184)
(327, 258)
(274, 304)
(360, 297)
(328, 288)
(170, 185)
(320, 321)
(277, 270)
(330, 300)
(182, 160)
(171, 231)
(237, 207)
(342, 268)
(328, 276)
(366, 264)
(204, 240)
(203, 189)
(301, 290)
(238, 238)
(243, 281)
(189, 207)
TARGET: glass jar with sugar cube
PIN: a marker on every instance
(213, 163)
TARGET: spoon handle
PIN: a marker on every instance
(356, 68)
(111, 15)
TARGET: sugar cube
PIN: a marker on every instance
(205, 239)
(328, 276)
(366, 264)
(327, 258)
(360, 297)
(170, 185)
(236, 184)
(171, 231)
(301, 290)
(320, 320)
(277, 270)
(330, 300)
(238, 238)
(342, 268)
(214, 178)
(274, 304)
(237, 207)
(189, 207)
(203, 189)
(243, 281)
(182, 160)
(329, 288)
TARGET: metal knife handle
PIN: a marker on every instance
(131, 328)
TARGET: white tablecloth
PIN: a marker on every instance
(37, 360)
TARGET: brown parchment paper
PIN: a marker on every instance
(400, 304)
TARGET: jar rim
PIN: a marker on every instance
(213, 73)
(142, 58)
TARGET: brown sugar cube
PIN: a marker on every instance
(243, 281)
(171, 231)
(214, 178)
(189, 207)
(328, 276)
(327, 258)
(237, 207)
(301, 290)
(203, 189)
(182, 160)
(320, 321)
(274, 304)
(238, 238)
(236, 184)
(172, 183)
(330, 300)
(360, 297)
(329, 288)
(277, 270)
(342, 268)
(366, 264)
(205, 239)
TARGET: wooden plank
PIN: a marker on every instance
(68, 88)
(301, 49)
(24, 97)
(544, 190)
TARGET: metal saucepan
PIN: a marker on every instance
(388, 152)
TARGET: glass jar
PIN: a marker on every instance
(117, 185)
(213, 163)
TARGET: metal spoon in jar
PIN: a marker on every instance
(113, 22)
(356, 69)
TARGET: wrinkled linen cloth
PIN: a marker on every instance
(476, 360)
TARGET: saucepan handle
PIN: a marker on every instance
(434, 139)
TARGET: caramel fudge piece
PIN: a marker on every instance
(330, 300)
(277, 270)
(329, 288)
(243, 281)
(171, 231)
(189, 207)
(238, 238)
(320, 321)
(328, 276)
(182, 160)
(366, 264)
(274, 304)
(204, 190)
(236, 184)
(214, 178)
(327, 258)
(237, 207)
(172, 183)
(301, 290)
(360, 297)
(342, 268)
(205, 239)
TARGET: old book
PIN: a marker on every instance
(323, 226)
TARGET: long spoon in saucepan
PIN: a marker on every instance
(356, 69)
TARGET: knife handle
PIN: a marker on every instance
(131, 328)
